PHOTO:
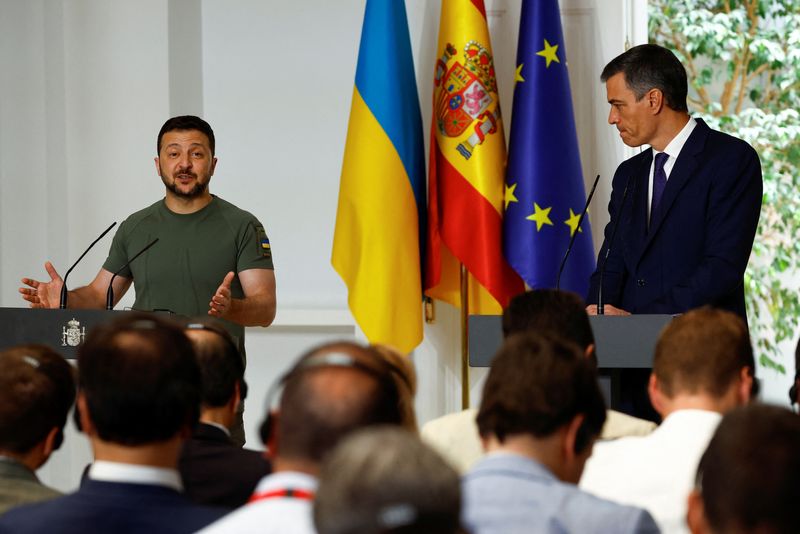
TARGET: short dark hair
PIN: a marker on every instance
(541, 310)
(140, 379)
(325, 397)
(221, 365)
(384, 480)
(537, 384)
(748, 475)
(37, 389)
(651, 66)
(703, 350)
(187, 122)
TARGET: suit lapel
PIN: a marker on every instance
(681, 173)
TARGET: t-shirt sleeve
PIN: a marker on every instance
(117, 255)
(255, 251)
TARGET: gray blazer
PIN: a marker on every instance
(19, 485)
(509, 493)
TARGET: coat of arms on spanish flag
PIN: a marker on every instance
(467, 167)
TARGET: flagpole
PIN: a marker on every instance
(464, 338)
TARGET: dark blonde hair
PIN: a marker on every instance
(703, 350)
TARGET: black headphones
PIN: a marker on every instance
(383, 372)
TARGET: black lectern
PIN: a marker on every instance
(63, 330)
(622, 343)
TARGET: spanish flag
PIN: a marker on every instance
(376, 244)
(467, 167)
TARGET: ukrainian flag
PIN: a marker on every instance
(378, 238)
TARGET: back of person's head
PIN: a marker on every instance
(747, 479)
(405, 379)
(37, 389)
(650, 66)
(183, 123)
(385, 480)
(221, 365)
(140, 380)
(332, 390)
(541, 310)
(536, 385)
(704, 351)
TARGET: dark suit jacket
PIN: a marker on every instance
(113, 507)
(216, 471)
(699, 240)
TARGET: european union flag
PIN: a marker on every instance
(544, 193)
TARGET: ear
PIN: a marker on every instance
(213, 166)
(50, 443)
(83, 415)
(695, 514)
(158, 167)
(655, 100)
(656, 395)
(273, 442)
(571, 436)
(745, 387)
(589, 350)
(236, 398)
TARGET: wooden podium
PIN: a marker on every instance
(621, 343)
(63, 330)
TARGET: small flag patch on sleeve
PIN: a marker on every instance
(263, 242)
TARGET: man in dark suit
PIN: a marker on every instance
(214, 469)
(138, 398)
(686, 209)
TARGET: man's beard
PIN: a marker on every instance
(196, 191)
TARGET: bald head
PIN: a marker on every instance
(333, 390)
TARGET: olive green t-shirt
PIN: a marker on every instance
(194, 252)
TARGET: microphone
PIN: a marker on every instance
(110, 292)
(600, 305)
(62, 303)
(575, 233)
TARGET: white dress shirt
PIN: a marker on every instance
(135, 474)
(655, 472)
(279, 514)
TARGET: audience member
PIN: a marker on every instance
(383, 481)
(214, 469)
(540, 310)
(333, 389)
(405, 379)
(747, 478)
(37, 389)
(138, 398)
(540, 413)
(703, 367)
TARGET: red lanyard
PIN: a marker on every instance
(288, 493)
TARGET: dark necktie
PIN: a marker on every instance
(659, 182)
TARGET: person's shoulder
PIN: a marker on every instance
(619, 425)
(589, 513)
(724, 141)
(34, 516)
(231, 210)
(144, 212)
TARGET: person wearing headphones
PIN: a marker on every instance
(333, 390)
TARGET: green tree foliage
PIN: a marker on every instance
(743, 61)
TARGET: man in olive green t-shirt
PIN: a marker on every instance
(211, 257)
